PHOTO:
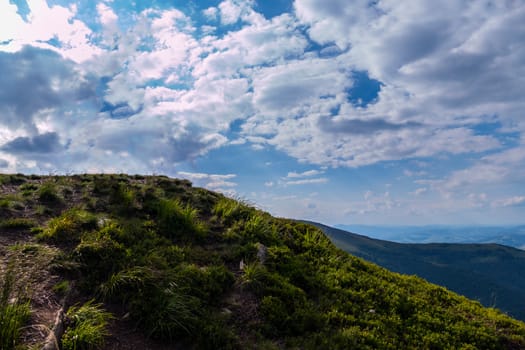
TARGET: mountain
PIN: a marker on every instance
(513, 236)
(489, 273)
(150, 262)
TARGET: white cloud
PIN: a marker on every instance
(509, 202)
(45, 23)
(419, 191)
(307, 173)
(321, 180)
(447, 66)
(211, 13)
(216, 182)
(108, 18)
(231, 11)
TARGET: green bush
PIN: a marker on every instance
(178, 221)
(88, 327)
(69, 226)
(230, 210)
(258, 228)
(124, 199)
(206, 283)
(254, 277)
(127, 283)
(48, 193)
(100, 256)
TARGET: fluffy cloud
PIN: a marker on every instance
(158, 88)
(216, 182)
(54, 28)
(35, 80)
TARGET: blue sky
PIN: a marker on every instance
(383, 112)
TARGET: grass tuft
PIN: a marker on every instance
(88, 329)
(14, 311)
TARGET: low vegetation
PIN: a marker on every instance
(14, 310)
(195, 269)
(87, 327)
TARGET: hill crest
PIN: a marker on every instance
(184, 267)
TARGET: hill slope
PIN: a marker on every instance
(153, 263)
(490, 273)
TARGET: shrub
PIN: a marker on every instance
(48, 193)
(100, 255)
(254, 277)
(68, 226)
(258, 228)
(27, 189)
(127, 283)
(207, 283)
(88, 327)
(230, 210)
(124, 199)
(179, 221)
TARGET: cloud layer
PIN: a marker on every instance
(113, 88)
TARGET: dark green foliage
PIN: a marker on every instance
(174, 312)
(99, 256)
(207, 283)
(123, 198)
(178, 221)
(48, 193)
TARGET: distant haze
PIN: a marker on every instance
(513, 236)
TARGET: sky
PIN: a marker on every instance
(377, 112)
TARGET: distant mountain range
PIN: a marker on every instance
(513, 236)
(493, 274)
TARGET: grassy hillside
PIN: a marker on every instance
(489, 273)
(153, 263)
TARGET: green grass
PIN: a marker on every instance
(88, 327)
(17, 223)
(14, 311)
(68, 226)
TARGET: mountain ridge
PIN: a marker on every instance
(509, 235)
(489, 273)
